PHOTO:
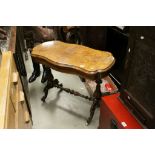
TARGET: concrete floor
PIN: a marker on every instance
(61, 110)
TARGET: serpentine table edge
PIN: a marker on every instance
(64, 66)
(74, 59)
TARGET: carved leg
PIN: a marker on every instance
(50, 79)
(47, 87)
(96, 101)
(51, 82)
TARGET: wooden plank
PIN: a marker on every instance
(14, 77)
(13, 106)
(10, 115)
(23, 120)
(4, 85)
(20, 124)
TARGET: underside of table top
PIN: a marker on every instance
(73, 58)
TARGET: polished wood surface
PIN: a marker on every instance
(72, 58)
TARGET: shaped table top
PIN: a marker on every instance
(73, 58)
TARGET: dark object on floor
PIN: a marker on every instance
(34, 75)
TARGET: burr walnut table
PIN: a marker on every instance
(74, 59)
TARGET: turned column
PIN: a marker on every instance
(96, 99)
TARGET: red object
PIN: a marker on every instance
(109, 87)
(113, 114)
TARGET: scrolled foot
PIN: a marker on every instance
(88, 121)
